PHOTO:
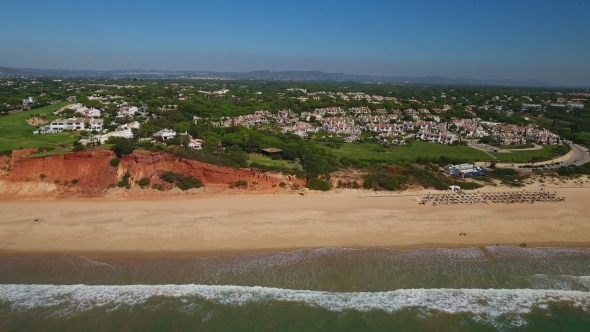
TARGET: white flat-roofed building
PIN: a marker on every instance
(76, 124)
(165, 134)
(463, 170)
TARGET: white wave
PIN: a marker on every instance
(560, 281)
(65, 300)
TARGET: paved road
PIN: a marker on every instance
(488, 148)
(579, 156)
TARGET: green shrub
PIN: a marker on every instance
(184, 182)
(381, 181)
(241, 183)
(78, 148)
(143, 182)
(282, 184)
(114, 162)
(124, 181)
(507, 174)
(168, 176)
(157, 186)
(569, 171)
(74, 181)
(469, 185)
(42, 176)
(317, 184)
(188, 182)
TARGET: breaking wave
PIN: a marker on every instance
(68, 300)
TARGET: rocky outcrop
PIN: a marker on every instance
(93, 174)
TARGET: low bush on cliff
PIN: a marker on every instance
(384, 181)
(114, 162)
(6, 153)
(125, 181)
(184, 182)
(168, 176)
(143, 182)
(42, 176)
(157, 186)
(241, 183)
(78, 148)
(189, 182)
(317, 184)
(74, 181)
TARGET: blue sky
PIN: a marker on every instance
(519, 39)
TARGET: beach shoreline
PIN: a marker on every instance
(100, 255)
(208, 225)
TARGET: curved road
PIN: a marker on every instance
(579, 156)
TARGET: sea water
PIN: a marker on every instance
(474, 289)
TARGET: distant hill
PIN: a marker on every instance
(268, 75)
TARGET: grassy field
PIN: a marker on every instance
(548, 152)
(267, 161)
(16, 133)
(417, 149)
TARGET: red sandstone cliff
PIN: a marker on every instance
(94, 173)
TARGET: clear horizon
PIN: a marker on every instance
(543, 40)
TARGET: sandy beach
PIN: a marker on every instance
(241, 223)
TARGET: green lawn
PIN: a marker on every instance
(15, 133)
(267, 161)
(417, 149)
(548, 152)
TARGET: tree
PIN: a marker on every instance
(122, 147)
(184, 141)
(486, 139)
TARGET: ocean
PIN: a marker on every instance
(329, 289)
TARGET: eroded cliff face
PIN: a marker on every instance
(53, 175)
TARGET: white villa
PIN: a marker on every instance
(76, 124)
(88, 112)
(165, 134)
(195, 143)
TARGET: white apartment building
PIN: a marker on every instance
(76, 124)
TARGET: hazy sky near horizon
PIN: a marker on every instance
(502, 39)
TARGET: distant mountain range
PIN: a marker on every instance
(270, 76)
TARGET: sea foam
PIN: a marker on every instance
(67, 300)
